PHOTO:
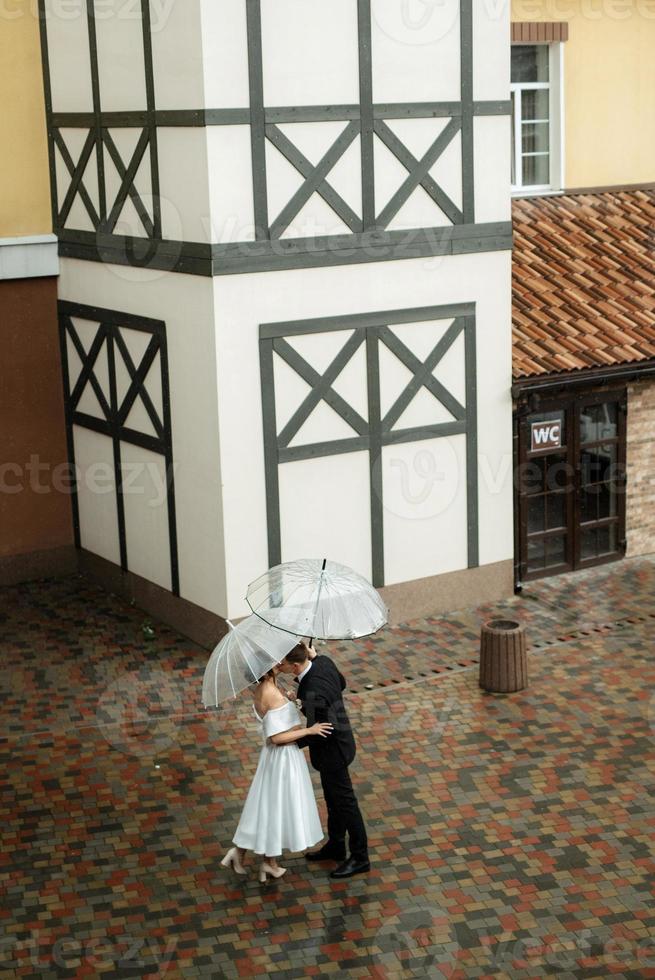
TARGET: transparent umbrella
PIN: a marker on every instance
(242, 657)
(318, 598)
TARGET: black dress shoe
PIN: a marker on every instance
(326, 853)
(350, 867)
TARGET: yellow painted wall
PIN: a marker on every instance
(609, 85)
(24, 179)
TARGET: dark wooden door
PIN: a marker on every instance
(545, 502)
(599, 532)
(571, 483)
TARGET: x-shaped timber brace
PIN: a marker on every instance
(115, 410)
(369, 329)
(366, 123)
(368, 236)
(127, 174)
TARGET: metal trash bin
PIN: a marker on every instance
(503, 656)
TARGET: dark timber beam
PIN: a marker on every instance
(114, 411)
(97, 108)
(240, 116)
(466, 74)
(196, 258)
(366, 113)
(257, 118)
(371, 434)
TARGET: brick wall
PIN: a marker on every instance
(35, 512)
(640, 503)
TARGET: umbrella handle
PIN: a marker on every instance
(318, 595)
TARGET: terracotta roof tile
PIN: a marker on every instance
(583, 281)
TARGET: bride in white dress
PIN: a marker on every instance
(280, 811)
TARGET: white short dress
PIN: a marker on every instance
(280, 812)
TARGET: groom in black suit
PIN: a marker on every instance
(320, 688)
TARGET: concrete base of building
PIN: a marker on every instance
(53, 563)
(203, 627)
(406, 601)
(444, 593)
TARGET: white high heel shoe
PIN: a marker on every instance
(231, 859)
(266, 869)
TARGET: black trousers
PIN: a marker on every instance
(344, 814)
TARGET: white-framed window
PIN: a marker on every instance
(537, 118)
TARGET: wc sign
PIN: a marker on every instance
(546, 435)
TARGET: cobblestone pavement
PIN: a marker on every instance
(511, 835)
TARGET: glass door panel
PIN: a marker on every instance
(597, 513)
(598, 542)
(556, 513)
(598, 422)
(571, 483)
(545, 485)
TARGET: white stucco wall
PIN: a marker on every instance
(177, 55)
(415, 51)
(225, 54)
(68, 51)
(325, 503)
(310, 52)
(491, 49)
(121, 67)
(231, 216)
(184, 183)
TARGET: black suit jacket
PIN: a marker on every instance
(320, 691)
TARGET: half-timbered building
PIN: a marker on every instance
(284, 295)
